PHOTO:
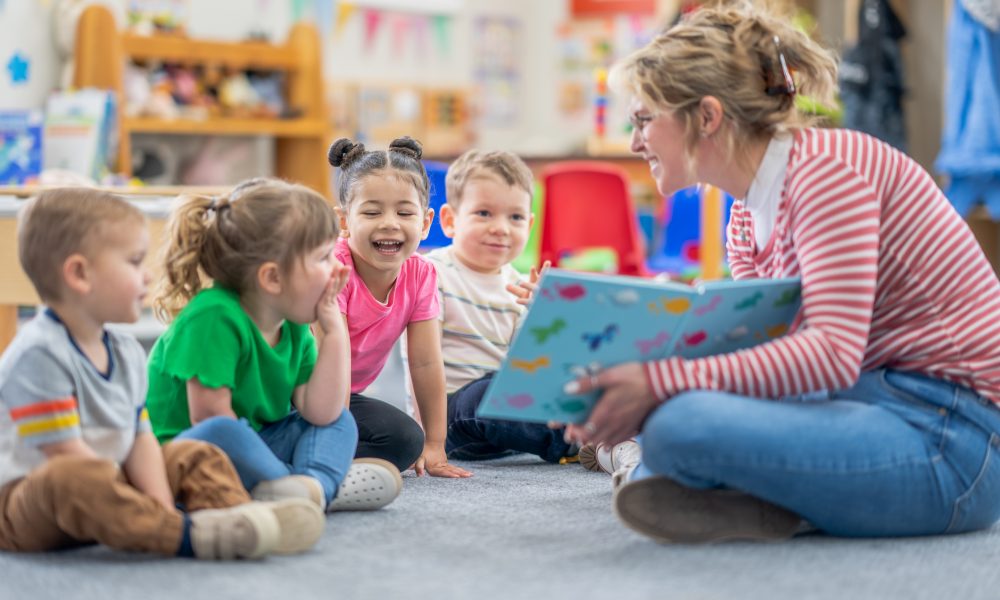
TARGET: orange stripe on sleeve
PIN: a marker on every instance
(43, 408)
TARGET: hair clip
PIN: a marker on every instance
(785, 87)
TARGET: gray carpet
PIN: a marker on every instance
(523, 529)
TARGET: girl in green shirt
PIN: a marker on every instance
(238, 365)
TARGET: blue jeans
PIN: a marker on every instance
(472, 438)
(896, 454)
(286, 447)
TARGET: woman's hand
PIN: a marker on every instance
(327, 310)
(434, 462)
(626, 400)
(524, 290)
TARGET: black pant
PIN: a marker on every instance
(386, 432)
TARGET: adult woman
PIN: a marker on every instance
(877, 415)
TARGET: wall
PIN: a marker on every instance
(24, 30)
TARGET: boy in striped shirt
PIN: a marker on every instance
(482, 297)
(78, 461)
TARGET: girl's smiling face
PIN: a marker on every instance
(385, 221)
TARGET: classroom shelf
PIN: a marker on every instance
(300, 143)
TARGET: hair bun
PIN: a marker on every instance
(343, 152)
(408, 146)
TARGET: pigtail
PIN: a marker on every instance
(187, 230)
(407, 146)
(343, 152)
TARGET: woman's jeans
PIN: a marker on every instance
(291, 446)
(896, 454)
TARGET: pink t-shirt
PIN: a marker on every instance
(375, 327)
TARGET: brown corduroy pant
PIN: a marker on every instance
(72, 501)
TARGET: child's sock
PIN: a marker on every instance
(185, 548)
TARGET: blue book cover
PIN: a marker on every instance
(580, 323)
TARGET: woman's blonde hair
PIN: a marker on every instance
(733, 52)
(226, 239)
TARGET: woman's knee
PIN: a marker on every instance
(687, 424)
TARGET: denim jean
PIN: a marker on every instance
(896, 454)
(472, 438)
(291, 446)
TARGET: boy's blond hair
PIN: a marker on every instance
(475, 163)
(58, 223)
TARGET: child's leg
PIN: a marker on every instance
(472, 438)
(897, 454)
(386, 432)
(324, 453)
(253, 459)
(72, 500)
(201, 476)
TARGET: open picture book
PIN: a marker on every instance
(582, 323)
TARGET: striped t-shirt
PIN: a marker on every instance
(479, 317)
(892, 277)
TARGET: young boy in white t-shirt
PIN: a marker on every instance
(488, 215)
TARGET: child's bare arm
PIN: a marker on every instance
(321, 400)
(427, 373)
(146, 471)
(205, 402)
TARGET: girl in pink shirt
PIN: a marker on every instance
(384, 214)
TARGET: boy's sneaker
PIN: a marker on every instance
(302, 524)
(601, 457)
(290, 486)
(370, 484)
(248, 530)
(670, 512)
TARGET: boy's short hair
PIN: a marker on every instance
(58, 223)
(475, 163)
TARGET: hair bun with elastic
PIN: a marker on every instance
(408, 146)
(343, 152)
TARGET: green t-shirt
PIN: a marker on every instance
(214, 340)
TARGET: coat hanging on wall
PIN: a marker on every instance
(970, 145)
(871, 75)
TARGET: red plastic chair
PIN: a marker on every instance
(587, 204)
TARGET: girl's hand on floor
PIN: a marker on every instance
(625, 403)
(327, 310)
(524, 290)
(434, 462)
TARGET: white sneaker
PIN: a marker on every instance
(290, 486)
(302, 524)
(248, 530)
(370, 484)
(610, 459)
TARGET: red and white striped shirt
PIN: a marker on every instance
(892, 277)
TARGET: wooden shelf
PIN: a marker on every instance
(300, 144)
(227, 126)
(237, 55)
